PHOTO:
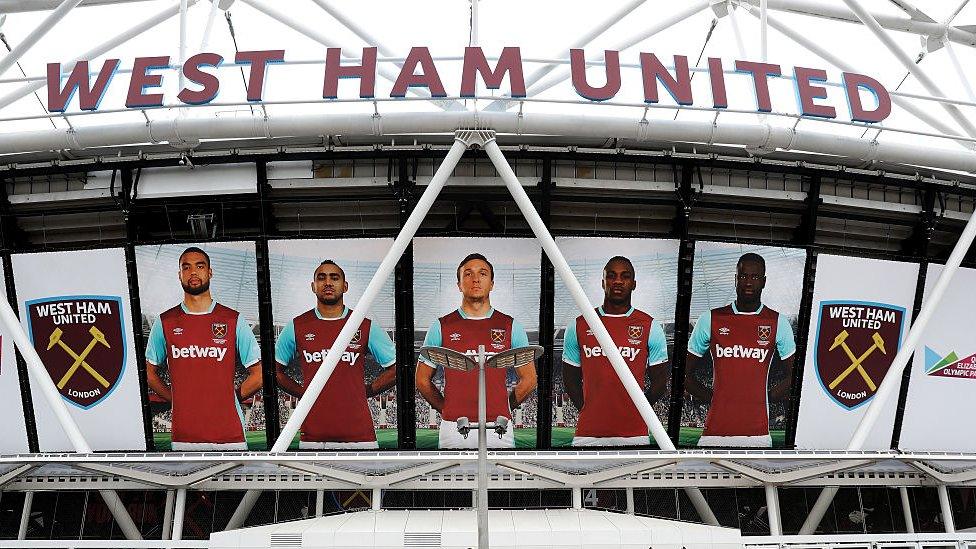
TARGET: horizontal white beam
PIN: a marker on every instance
(752, 137)
(20, 6)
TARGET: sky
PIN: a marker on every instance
(543, 29)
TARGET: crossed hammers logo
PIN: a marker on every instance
(80, 359)
(841, 341)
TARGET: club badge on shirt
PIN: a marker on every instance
(764, 333)
(219, 330)
(497, 338)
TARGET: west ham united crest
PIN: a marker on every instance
(80, 341)
(497, 335)
(635, 332)
(856, 342)
(219, 330)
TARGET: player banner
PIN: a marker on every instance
(13, 430)
(744, 304)
(633, 283)
(75, 309)
(314, 286)
(856, 328)
(468, 293)
(203, 360)
(943, 378)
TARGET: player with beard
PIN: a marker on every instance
(340, 417)
(740, 337)
(607, 414)
(201, 342)
(472, 324)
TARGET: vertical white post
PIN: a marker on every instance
(376, 500)
(630, 500)
(592, 320)
(947, 519)
(211, 15)
(183, 8)
(906, 509)
(577, 497)
(482, 449)
(168, 514)
(474, 22)
(178, 513)
(892, 380)
(763, 30)
(319, 502)
(772, 509)
(25, 515)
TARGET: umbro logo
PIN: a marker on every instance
(309, 337)
(724, 331)
(455, 337)
(177, 331)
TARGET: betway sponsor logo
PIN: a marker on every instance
(741, 351)
(198, 351)
(319, 356)
(629, 353)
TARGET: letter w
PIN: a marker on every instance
(90, 96)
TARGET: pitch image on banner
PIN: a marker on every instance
(314, 286)
(203, 362)
(75, 309)
(470, 293)
(633, 286)
(744, 305)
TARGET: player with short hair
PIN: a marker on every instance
(340, 417)
(472, 324)
(607, 414)
(741, 338)
(201, 342)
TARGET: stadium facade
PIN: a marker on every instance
(857, 217)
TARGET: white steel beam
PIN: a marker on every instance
(948, 521)
(319, 502)
(24, 6)
(353, 479)
(25, 515)
(923, 78)
(958, 477)
(906, 510)
(168, 514)
(892, 380)
(95, 52)
(35, 35)
(835, 12)
(840, 63)
(772, 510)
(178, 512)
(211, 15)
(687, 11)
(314, 34)
(14, 473)
(634, 391)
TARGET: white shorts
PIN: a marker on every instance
(449, 437)
(612, 441)
(303, 445)
(756, 441)
(209, 446)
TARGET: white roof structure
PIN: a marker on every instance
(509, 529)
(917, 54)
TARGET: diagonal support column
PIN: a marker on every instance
(596, 325)
(27, 43)
(97, 51)
(317, 383)
(892, 380)
(41, 380)
(872, 24)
